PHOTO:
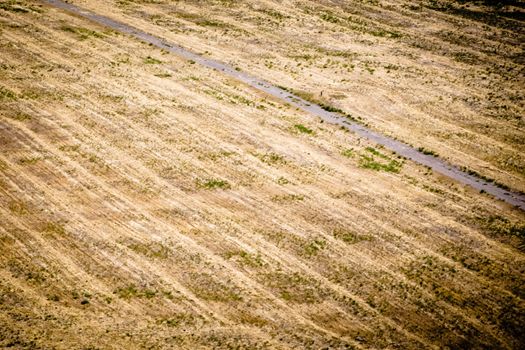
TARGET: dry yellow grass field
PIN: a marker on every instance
(150, 203)
(443, 75)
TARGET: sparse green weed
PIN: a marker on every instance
(82, 33)
(131, 291)
(6, 94)
(349, 153)
(287, 198)
(313, 247)
(211, 184)
(349, 237)
(151, 60)
(303, 129)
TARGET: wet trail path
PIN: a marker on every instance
(436, 164)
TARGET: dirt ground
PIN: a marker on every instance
(150, 203)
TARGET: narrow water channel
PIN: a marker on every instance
(436, 164)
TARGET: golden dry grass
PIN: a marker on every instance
(439, 75)
(146, 202)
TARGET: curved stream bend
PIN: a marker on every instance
(400, 148)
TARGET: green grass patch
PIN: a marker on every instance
(303, 129)
(370, 163)
(211, 184)
(6, 94)
(329, 17)
(376, 160)
(283, 181)
(349, 237)
(245, 258)
(272, 158)
(275, 14)
(349, 153)
(21, 117)
(82, 33)
(131, 291)
(151, 250)
(375, 152)
(29, 160)
(288, 198)
(501, 225)
(314, 247)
